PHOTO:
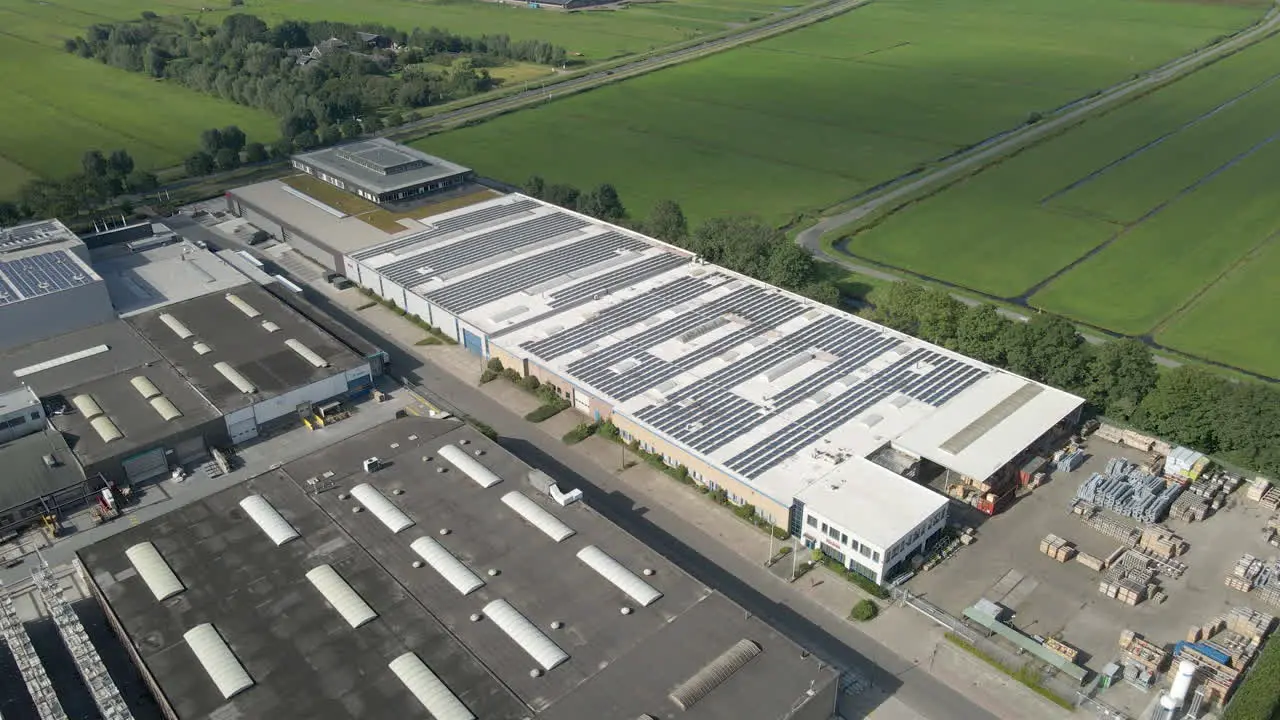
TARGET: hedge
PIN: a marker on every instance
(579, 433)
(1258, 698)
(864, 610)
(542, 412)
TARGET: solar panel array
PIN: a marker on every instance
(762, 309)
(622, 277)
(947, 378)
(488, 286)
(447, 226)
(41, 275)
(415, 269)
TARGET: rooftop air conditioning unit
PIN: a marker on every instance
(372, 464)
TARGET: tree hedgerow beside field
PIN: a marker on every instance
(1259, 697)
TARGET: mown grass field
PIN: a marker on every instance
(805, 120)
(1165, 205)
(57, 106)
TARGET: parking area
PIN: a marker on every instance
(1062, 600)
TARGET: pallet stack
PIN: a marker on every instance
(1057, 548)
(1062, 649)
(1223, 648)
(1270, 499)
(1189, 508)
(1090, 561)
(1257, 489)
(1142, 654)
(1124, 590)
(1161, 543)
(1245, 573)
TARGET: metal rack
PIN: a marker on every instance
(103, 689)
(24, 654)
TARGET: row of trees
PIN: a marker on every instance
(248, 62)
(1237, 421)
(226, 149)
(103, 177)
(601, 202)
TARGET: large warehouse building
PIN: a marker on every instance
(139, 357)
(449, 582)
(789, 405)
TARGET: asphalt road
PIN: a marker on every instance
(985, 154)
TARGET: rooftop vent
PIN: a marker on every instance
(87, 406)
(377, 503)
(161, 404)
(202, 348)
(106, 429)
(341, 596)
(218, 661)
(182, 331)
(306, 353)
(270, 326)
(713, 674)
(434, 695)
(154, 571)
(242, 306)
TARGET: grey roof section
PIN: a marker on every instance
(140, 281)
(308, 664)
(125, 350)
(241, 341)
(34, 234)
(344, 235)
(26, 476)
(381, 165)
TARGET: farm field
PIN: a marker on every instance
(805, 120)
(58, 106)
(1124, 221)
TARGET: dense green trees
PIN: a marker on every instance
(600, 202)
(311, 74)
(667, 222)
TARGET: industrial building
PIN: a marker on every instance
(382, 171)
(418, 570)
(759, 392)
(138, 357)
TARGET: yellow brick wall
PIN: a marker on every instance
(766, 507)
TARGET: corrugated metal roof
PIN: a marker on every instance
(714, 673)
(537, 516)
(613, 571)
(451, 568)
(525, 634)
(469, 465)
(154, 571)
(218, 661)
(262, 512)
(438, 699)
(341, 596)
(377, 503)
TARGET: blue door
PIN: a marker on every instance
(472, 342)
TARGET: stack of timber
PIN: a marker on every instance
(1257, 489)
(1057, 548)
(1090, 561)
(1224, 647)
(1245, 573)
(1133, 439)
(1161, 542)
(1062, 649)
(1093, 516)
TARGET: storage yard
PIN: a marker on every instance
(1117, 568)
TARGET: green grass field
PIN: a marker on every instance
(1173, 188)
(57, 106)
(805, 120)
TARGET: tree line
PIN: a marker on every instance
(251, 63)
(103, 177)
(744, 244)
(1236, 421)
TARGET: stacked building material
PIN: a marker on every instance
(1057, 548)
(1068, 460)
(1110, 433)
(1089, 561)
(1124, 590)
(1062, 649)
(1208, 486)
(1161, 542)
(1245, 573)
(1127, 489)
(1186, 464)
(1257, 489)
(1189, 508)
(1142, 654)
(1130, 580)
(1223, 648)
(1270, 499)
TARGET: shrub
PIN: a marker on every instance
(494, 364)
(483, 428)
(547, 394)
(608, 430)
(488, 376)
(542, 412)
(864, 610)
(746, 511)
(531, 383)
(579, 433)
(1258, 698)
(513, 375)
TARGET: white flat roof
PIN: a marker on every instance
(163, 275)
(749, 377)
(878, 505)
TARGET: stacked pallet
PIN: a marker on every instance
(1161, 542)
(1057, 548)
(1124, 590)
(1128, 490)
(1250, 623)
(1142, 654)
(1257, 489)
(1089, 561)
(1189, 508)
(1269, 594)
(1062, 649)
(1270, 499)
(1245, 573)
(1116, 528)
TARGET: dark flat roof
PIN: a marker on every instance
(124, 350)
(25, 475)
(309, 664)
(243, 343)
(381, 165)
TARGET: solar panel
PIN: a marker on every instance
(448, 226)
(43, 274)
(622, 277)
